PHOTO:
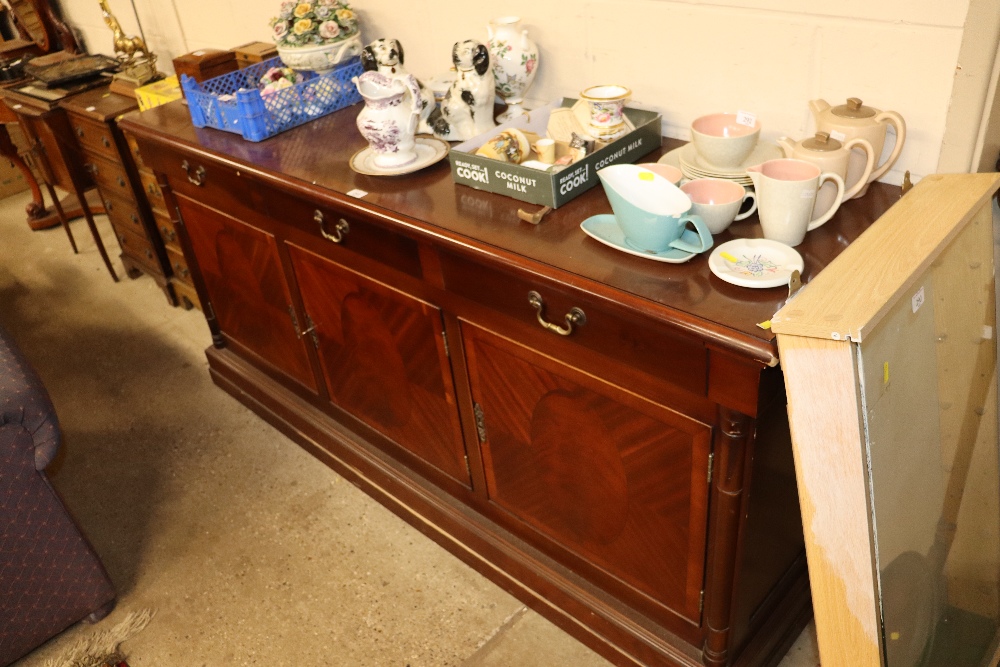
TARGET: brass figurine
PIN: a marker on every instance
(138, 65)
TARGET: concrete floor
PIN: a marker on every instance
(249, 550)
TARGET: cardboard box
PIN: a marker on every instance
(11, 179)
(157, 93)
(557, 185)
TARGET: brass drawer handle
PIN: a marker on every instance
(181, 269)
(79, 131)
(105, 142)
(575, 316)
(149, 254)
(199, 173)
(121, 182)
(134, 218)
(168, 233)
(339, 231)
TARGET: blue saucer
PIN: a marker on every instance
(604, 228)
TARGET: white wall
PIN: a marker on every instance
(683, 58)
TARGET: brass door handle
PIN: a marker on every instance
(575, 316)
(199, 173)
(340, 230)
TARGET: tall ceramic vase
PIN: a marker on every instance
(515, 62)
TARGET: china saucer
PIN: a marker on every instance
(429, 150)
(755, 262)
(604, 228)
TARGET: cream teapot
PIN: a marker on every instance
(853, 120)
(833, 156)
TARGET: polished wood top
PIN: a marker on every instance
(100, 104)
(314, 159)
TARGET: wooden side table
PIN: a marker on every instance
(56, 153)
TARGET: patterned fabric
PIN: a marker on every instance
(50, 577)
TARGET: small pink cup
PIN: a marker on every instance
(667, 171)
(718, 202)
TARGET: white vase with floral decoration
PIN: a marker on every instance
(316, 35)
(515, 62)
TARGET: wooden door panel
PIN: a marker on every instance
(383, 359)
(617, 480)
(247, 287)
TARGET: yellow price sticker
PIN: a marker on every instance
(645, 175)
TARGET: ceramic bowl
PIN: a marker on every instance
(667, 171)
(721, 141)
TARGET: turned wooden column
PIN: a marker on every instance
(731, 436)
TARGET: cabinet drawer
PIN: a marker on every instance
(138, 248)
(110, 177)
(179, 265)
(186, 295)
(94, 136)
(123, 213)
(133, 148)
(166, 229)
(615, 333)
(347, 233)
(152, 190)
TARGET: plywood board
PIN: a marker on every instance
(830, 465)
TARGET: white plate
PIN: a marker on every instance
(674, 158)
(762, 152)
(759, 262)
(429, 151)
(604, 228)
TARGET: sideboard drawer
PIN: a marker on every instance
(93, 136)
(346, 233)
(642, 344)
(219, 187)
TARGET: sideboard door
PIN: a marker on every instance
(247, 288)
(619, 481)
(384, 360)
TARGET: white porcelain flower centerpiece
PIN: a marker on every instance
(316, 35)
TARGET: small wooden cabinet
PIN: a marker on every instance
(631, 479)
(104, 153)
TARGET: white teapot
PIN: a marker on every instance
(833, 156)
(853, 120)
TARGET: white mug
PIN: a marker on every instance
(786, 193)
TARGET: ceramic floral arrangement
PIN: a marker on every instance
(313, 23)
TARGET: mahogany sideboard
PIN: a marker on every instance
(629, 476)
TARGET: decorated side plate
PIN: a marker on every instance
(755, 262)
(429, 151)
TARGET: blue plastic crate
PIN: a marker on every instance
(233, 103)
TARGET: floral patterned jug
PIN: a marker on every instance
(515, 62)
(387, 121)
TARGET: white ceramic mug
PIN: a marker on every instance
(718, 202)
(786, 193)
